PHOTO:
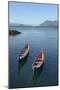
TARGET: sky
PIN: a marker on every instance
(31, 13)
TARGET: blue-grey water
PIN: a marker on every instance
(21, 74)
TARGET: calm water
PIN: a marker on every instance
(21, 74)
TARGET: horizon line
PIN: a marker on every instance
(31, 24)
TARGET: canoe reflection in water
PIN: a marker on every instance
(36, 73)
(22, 62)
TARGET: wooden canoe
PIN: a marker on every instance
(39, 60)
(24, 52)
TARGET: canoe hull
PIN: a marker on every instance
(21, 57)
(39, 60)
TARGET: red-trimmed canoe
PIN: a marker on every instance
(39, 60)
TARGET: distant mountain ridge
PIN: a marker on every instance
(19, 25)
(46, 23)
(49, 24)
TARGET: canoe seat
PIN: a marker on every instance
(38, 60)
(22, 53)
